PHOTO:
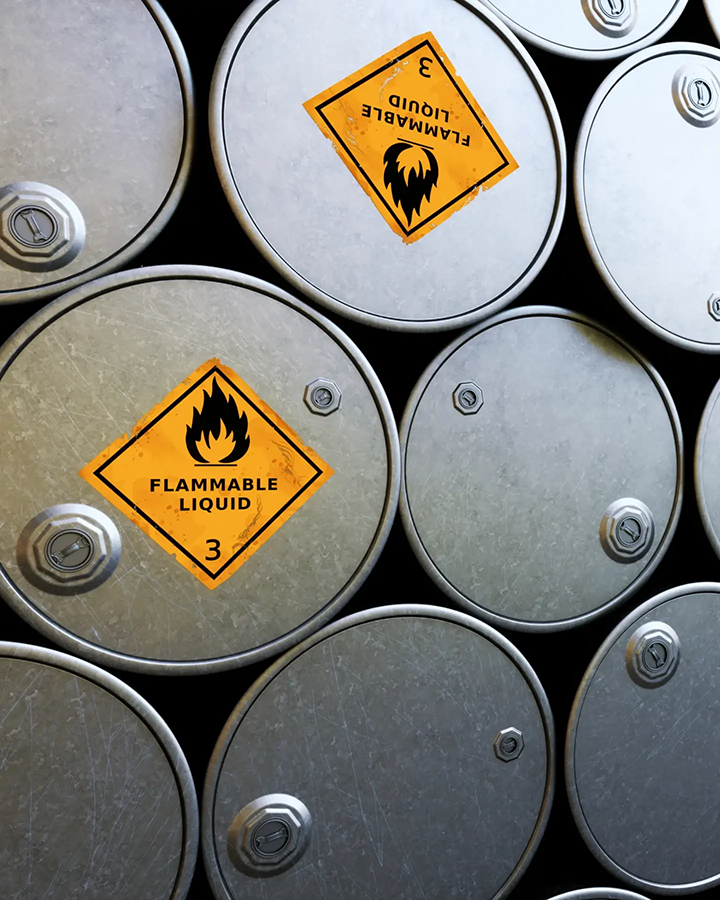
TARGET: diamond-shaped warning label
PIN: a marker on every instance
(413, 136)
(210, 473)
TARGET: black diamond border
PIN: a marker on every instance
(423, 222)
(214, 371)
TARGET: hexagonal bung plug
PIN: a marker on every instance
(41, 229)
(696, 93)
(69, 549)
(653, 654)
(322, 396)
(468, 398)
(714, 306)
(269, 835)
(509, 744)
(614, 18)
(627, 530)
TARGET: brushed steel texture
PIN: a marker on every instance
(96, 797)
(646, 189)
(86, 368)
(305, 212)
(641, 765)
(383, 725)
(564, 28)
(98, 104)
(503, 509)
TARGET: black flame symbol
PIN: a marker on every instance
(218, 411)
(411, 172)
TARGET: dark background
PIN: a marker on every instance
(196, 708)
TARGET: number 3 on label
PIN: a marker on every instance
(215, 549)
(425, 66)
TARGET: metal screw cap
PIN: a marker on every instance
(468, 398)
(509, 744)
(269, 835)
(627, 529)
(69, 549)
(714, 306)
(614, 18)
(696, 92)
(40, 227)
(653, 654)
(322, 396)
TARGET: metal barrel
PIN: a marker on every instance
(646, 189)
(96, 797)
(707, 477)
(526, 495)
(96, 134)
(407, 748)
(404, 168)
(198, 470)
(599, 894)
(641, 761)
(589, 29)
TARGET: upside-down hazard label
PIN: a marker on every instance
(210, 473)
(413, 136)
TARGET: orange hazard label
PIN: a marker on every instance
(210, 473)
(413, 136)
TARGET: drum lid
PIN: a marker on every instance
(415, 746)
(97, 121)
(198, 470)
(641, 764)
(405, 170)
(646, 190)
(542, 470)
(96, 798)
(589, 29)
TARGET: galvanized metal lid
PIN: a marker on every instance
(408, 748)
(198, 470)
(589, 29)
(642, 758)
(542, 470)
(712, 8)
(405, 170)
(96, 132)
(707, 473)
(646, 189)
(96, 797)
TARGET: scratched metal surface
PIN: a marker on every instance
(96, 102)
(89, 367)
(93, 803)
(383, 726)
(284, 180)
(642, 762)
(503, 507)
(634, 185)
